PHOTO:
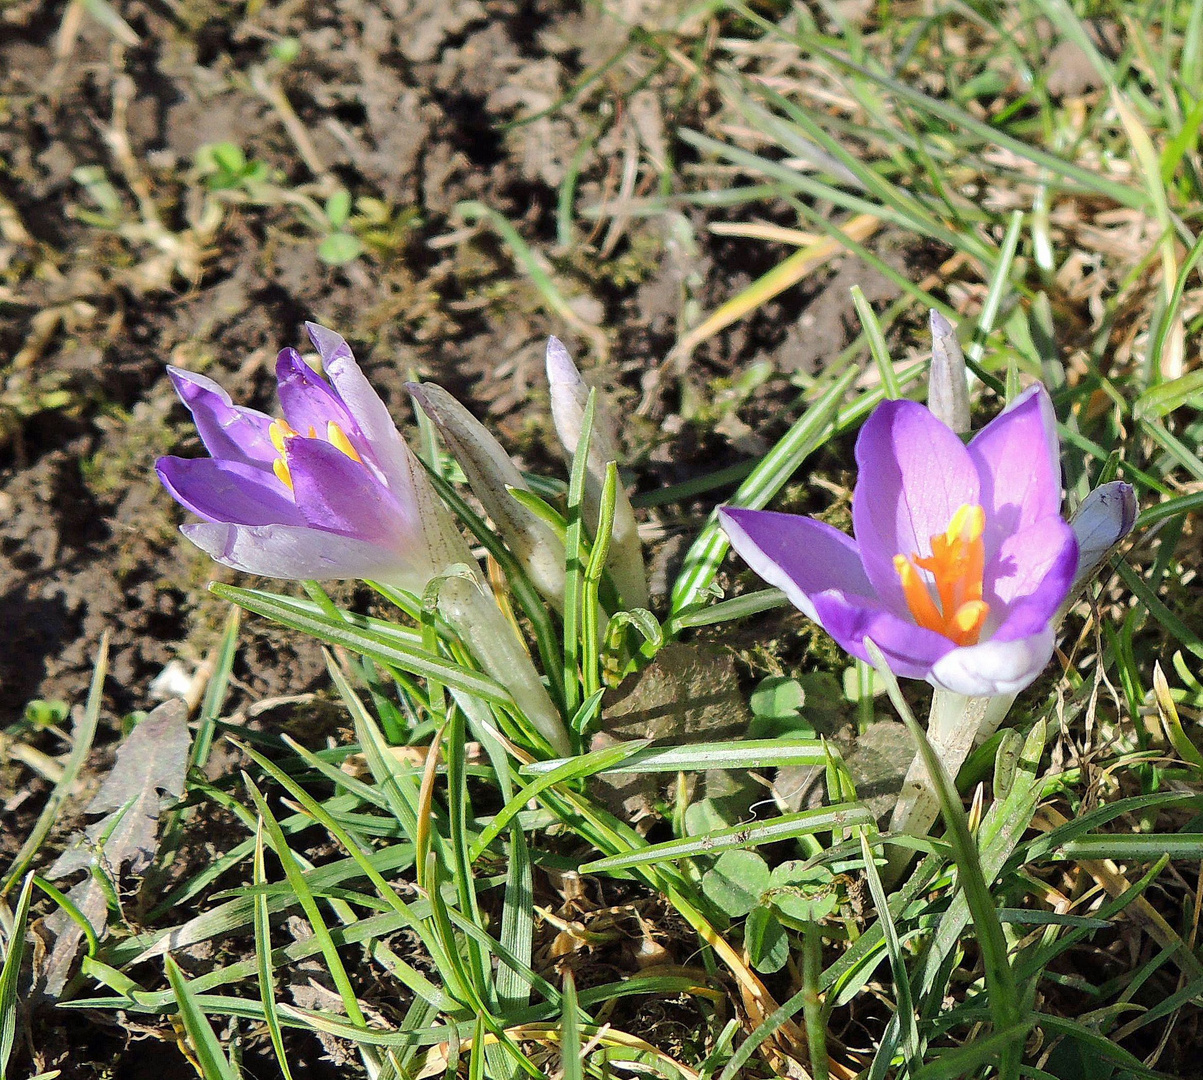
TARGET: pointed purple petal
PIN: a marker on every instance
(1017, 459)
(330, 346)
(341, 495)
(308, 401)
(994, 667)
(1036, 565)
(800, 555)
(228, 491)
(910, 650)
(913, 474)
(228, 431)
(300, 553)
(370, 416)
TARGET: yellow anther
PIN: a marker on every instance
(338, 438)
(956, 565)
(278, 432)
(280, 468)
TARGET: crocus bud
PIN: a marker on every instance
(947, 380)
(1105, 517)
(479, 623)
(569, 396)
(491, 474)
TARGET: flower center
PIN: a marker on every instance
(956, 563)
(281, 431)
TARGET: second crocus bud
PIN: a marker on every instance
(492, 475)
(569, 396)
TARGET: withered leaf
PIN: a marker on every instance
(149, 772)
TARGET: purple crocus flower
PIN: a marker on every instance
(330, 491)
(961, 558)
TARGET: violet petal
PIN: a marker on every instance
(229, 491)
(913, 475)
(228, 431)
(308, 401)
(341, 495)
(910, 650)
(300, 553)
(1036, 563)
(369, 413)
(800, 555)
(1017, 459)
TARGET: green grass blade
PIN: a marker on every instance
(574, 545)
(904, 1009)
(748, 754)
(214, 1065)
(1004, 996)
(263, 959)
(877, 344)
(305, 897)
(379, 641)
(517, 925)
(10, 973)
(785, 827)
(808, 433)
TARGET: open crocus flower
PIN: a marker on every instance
(961, 558)
(330, 491)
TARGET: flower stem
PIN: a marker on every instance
(955, 724)
(480, 625)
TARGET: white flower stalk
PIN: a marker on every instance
(492, 474)
(478, 621)
(569, 395)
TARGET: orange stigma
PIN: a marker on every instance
(956, 563)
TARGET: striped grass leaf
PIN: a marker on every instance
(904, 1010)
(999, 285)
(211, 1061)
(517, 925)
(878, 348)
(10, 973)
(785, 827)
(574, 555)
(304, 896)
(562, 771)
(222, 663)
(362, 859)
(738, 607)
(637, 757)
(383, 643)
(237, 914)
(571, 1057)
(1146, 847)
(263, 960)
(594, 568)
